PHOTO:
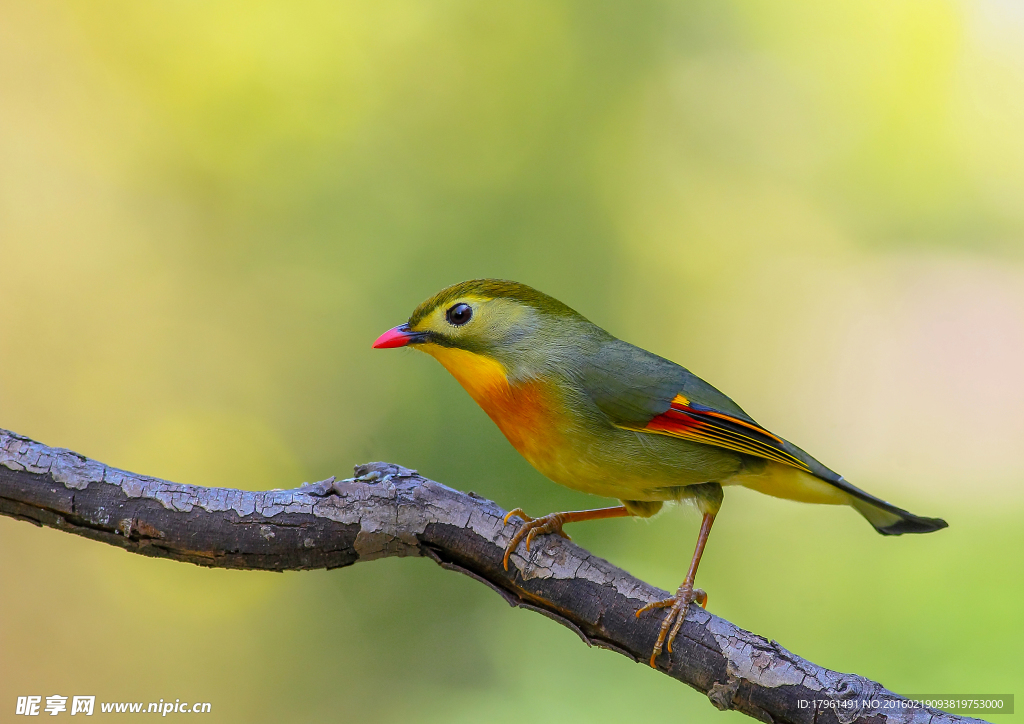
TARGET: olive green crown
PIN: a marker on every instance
(493, 289)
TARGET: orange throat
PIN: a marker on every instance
(525, 413)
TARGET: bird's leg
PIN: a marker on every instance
(552, 523)
(678, 603)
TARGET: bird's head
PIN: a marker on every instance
(489, 319)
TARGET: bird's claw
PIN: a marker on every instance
(677, 606)
(532, 527)
(518, 513)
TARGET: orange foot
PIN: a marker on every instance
(550, 523)
(677, 606)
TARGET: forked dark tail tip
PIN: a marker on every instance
(913, 524)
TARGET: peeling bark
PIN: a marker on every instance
(387, 510)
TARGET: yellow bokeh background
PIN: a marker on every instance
(208, 211)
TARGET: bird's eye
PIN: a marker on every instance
(459, 314)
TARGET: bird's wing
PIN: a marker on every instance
(690, 420)
(641, 391)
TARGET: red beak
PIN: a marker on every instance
(397, 337)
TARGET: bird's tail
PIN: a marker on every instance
(890, 520)
(824, 486)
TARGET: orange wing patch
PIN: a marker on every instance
(702, 424)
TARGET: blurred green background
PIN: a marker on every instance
(209, 210)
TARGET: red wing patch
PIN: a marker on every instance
(699, 423)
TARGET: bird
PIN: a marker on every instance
(597, 414)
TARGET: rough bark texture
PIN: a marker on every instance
(387, 510)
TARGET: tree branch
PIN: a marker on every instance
(387, 510)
